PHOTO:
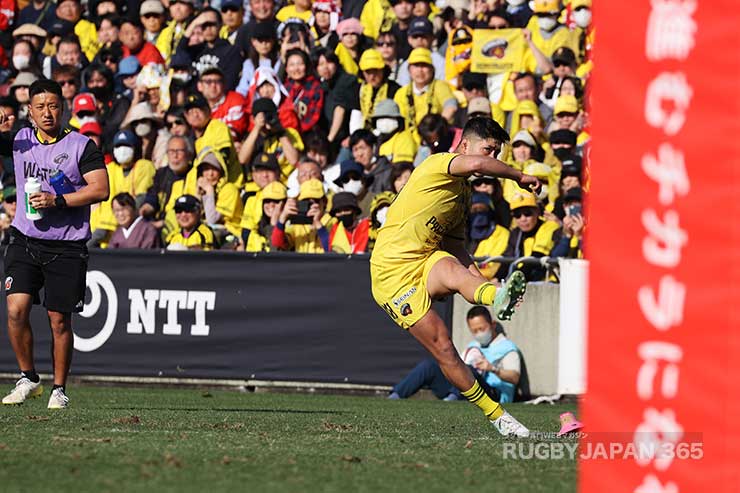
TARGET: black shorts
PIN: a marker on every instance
(60, 267)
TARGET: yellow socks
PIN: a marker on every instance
(485, 294)
(477, 396)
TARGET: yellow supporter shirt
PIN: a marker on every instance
(88, 35)
(272, 146)
(542, 241)
(348, 63)
(562, 37)
(377, 16)
(136, 182)
(431, 206)
(229, 205)
(200, 239)
(170, 220)
(493, 246)
(290, 11)
(433, 99)
(302, 238)
(218, 136)
(399, 148)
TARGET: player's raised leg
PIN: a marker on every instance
(431, 332)
(21, 339)
(448, 276)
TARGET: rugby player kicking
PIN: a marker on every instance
(420, 255)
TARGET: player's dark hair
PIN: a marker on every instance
(125, 199)
(483, 127)
(45, 85)
(479, 311)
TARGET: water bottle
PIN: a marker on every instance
(60, 183)
(32, 186)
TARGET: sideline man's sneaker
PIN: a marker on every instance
(57, 399)
(509, 294)
(507, 425)
(24, 389)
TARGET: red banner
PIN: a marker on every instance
(663, 397)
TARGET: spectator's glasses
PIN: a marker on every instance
(185, 209)
(85, 114)
(389, 44)
(516, 214)
(176, 151)
(150, 16)
(206, 25)
(560, 63)
(108, 59)
(230, 8)
(566, 114)
(172, 123)
(67, 82)
(9, 199)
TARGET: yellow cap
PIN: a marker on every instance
(371, 59)
(546, 6)
(274, 191)
(566, 104)
(420, 55)
(311, 189)
(522, 199)
(574, 4)
(540, 170)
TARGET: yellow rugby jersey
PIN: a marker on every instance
(432, 205)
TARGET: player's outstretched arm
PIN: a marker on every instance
(463, 165)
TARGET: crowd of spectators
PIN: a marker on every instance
(260, 125)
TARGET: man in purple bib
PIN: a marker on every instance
(49, 252)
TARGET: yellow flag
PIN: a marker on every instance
(498, 50)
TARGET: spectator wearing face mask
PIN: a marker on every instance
(563, 144)
(485, 237)
(128, 172)
(397, 143)
(493, 357)
(273, 200)
(84, 110)
(144, 123)
(547, 32)
(350, 232)
(352, 179)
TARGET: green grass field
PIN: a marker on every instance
(122, 439)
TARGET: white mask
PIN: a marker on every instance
(386, 125)
(353, 186)
(515, 3)
(123, 154)
(381, 215)
(142, 129)
(581, 16)
(87, 119)
(21, 61)
(182, 76)
(484, 338)
(547, 23)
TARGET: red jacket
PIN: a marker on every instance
(232, 111)
(146, 55)
(357, 238)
